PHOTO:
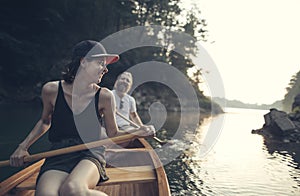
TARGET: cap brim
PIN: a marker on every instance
(110, 58)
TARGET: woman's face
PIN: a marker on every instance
(95, 69)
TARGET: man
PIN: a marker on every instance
(125, 103)
(126, 106)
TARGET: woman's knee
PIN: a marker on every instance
(49, 183)
(44, 192)
(72, 187)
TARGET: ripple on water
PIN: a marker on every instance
(239, 164)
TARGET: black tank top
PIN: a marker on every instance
(64, 124)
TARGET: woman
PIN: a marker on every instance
(70, 107)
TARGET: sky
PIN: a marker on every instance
(255, 45)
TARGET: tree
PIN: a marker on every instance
(292, 90)
(36, 38)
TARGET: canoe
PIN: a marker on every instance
(133, 171)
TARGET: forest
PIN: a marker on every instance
(36, 38)
(292, 90)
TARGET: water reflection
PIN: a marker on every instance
(291, 150)
(240, 163)
(183, 179)
(286, 153)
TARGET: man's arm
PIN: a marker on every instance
(133, 115)
(136, 118)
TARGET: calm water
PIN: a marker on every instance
(240, 163)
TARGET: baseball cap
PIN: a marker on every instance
(93, 49)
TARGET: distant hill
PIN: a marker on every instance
(239, 104)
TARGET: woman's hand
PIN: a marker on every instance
(149, 130)
(17, 158)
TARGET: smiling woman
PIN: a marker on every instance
(72, 113)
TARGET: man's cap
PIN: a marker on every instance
(93, 49)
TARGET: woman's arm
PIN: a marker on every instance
(49, 93)
(107, 105)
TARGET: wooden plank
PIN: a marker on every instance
(113, 190)
(162, 181)
(139, 174)
(131, 189)
(122, 150)
(23, 193)
(28, 184)
(121, 175)
(19, 177)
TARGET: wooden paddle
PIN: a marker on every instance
(80, 147)
(137, 126)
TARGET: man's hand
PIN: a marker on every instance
(149, 130)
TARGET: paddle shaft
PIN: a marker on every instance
(126, 119)
(137, 126)
(80, 147)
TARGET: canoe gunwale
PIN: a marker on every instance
(158, 177)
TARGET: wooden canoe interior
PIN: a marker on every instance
(131, 173)
(139, 181)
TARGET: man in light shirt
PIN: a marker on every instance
(125, 103)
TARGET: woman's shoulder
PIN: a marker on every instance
(50, 87)
(106, 93)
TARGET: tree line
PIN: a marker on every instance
(36, 38)
(292, 90)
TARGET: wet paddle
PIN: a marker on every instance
(117, 140)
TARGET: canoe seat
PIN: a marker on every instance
(137, 174)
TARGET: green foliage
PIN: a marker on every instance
(292, 90)
(36, 38)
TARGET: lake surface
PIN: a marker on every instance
(240, 163)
